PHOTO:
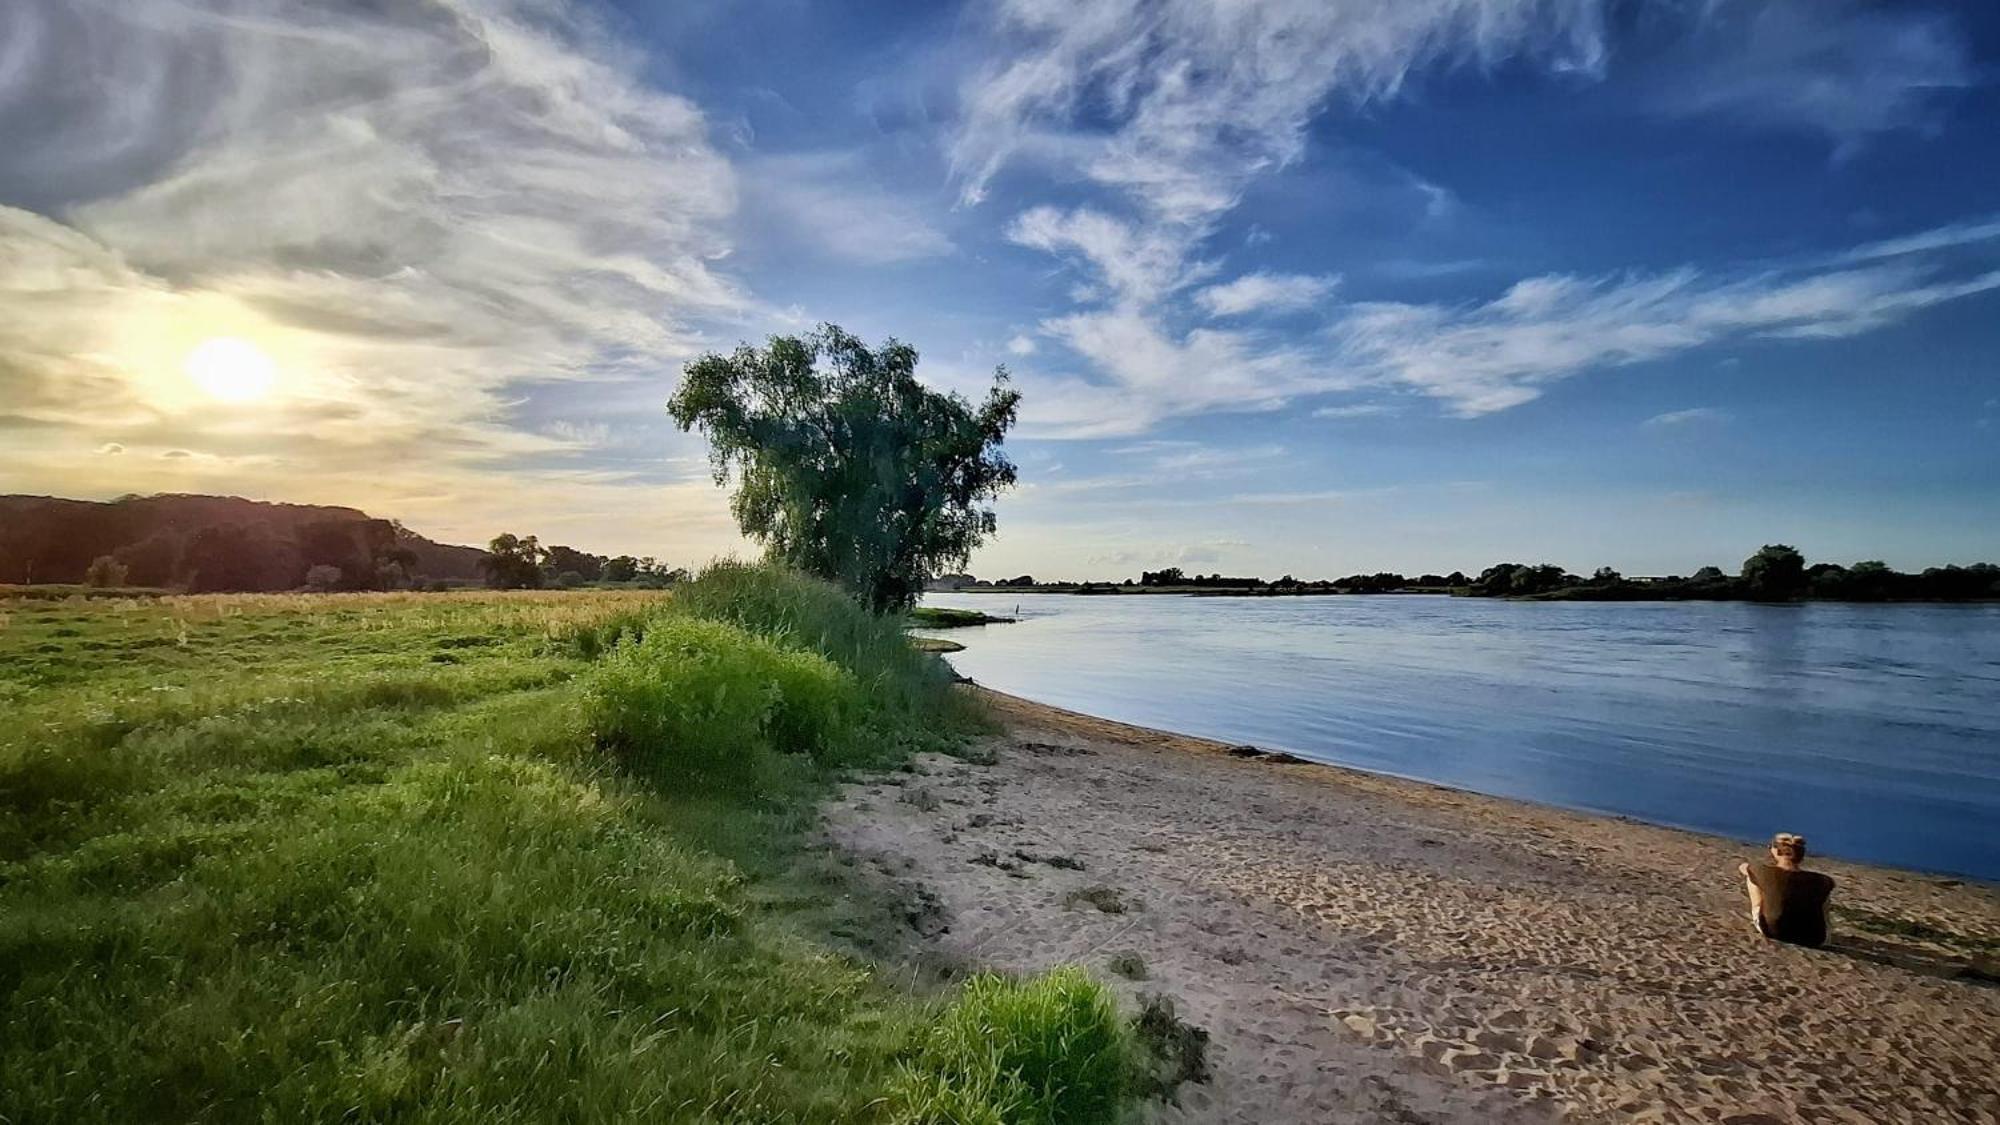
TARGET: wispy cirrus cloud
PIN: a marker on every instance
(1847, 69)
(830, 201)
(412, 208)
(1176, 107)
(1354, 410)
(1480, 357)
(1692, 416)
(1134, 264)
(1490, 356)
(1198, 98)
(1265, 292)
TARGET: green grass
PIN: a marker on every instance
(473, 857)
(943, 617)
(1042, 1052)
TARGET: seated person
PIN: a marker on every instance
(1787, 902)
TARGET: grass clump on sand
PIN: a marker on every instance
(944, 617)
(1129, 965)
(460, 857)
(1105, 899)
(1040, 1052)
(1175, 1051)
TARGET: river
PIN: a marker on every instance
(1873, 730)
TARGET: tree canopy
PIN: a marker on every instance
(848, 467)
(514, 562)
(1775, 573)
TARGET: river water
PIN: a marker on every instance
(1873, 730)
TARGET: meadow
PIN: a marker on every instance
(483, 856)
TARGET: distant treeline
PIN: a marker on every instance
(1775, 573)
(516, 562)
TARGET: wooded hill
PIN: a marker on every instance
(219, 543)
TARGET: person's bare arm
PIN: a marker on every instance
(1756, 894)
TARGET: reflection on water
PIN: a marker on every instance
(1873, 730)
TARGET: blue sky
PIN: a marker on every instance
(1297, 286)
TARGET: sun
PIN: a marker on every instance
(231, 369)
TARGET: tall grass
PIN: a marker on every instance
(705, 697)
(906, 689)
(1041, 1052)
(467, 858)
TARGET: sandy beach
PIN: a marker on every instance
(1361, 948)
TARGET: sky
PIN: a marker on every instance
(1288, 286)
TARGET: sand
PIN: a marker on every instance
(1366, 949)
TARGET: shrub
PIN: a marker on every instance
(104, 573)
(899, 683)
(1037, 1052)
(322, 578)
(710, 697)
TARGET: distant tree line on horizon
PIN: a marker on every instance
(1777, 572)
(516, 562)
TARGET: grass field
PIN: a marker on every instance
(477, 857)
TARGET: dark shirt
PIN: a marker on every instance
(1794, 906)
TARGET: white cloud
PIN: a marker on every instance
(412, 208)
(829, 200)
(1278, 499)
(1354, 410)
(1021, 346)
(1272, 292)
(1154, 374)
(583, 434)
(1843, 68)
(1202, 97)
(1138, 266)
(1177, 106)
(1184, 459)
(1696, 415)
(1488, 357)
(1969, 233)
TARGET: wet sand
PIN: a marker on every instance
(1367, 949)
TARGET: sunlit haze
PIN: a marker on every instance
(1291, 286)
(230, 369)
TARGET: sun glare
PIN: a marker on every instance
(231, 369)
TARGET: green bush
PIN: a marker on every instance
(708, 697)
(905, 693)
(803, 612)
(1046, 1051)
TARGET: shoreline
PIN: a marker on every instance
(1419, 791)
(1571, 594)
(1201, 743)
(1370, 948)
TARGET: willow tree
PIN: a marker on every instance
(846, 466)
